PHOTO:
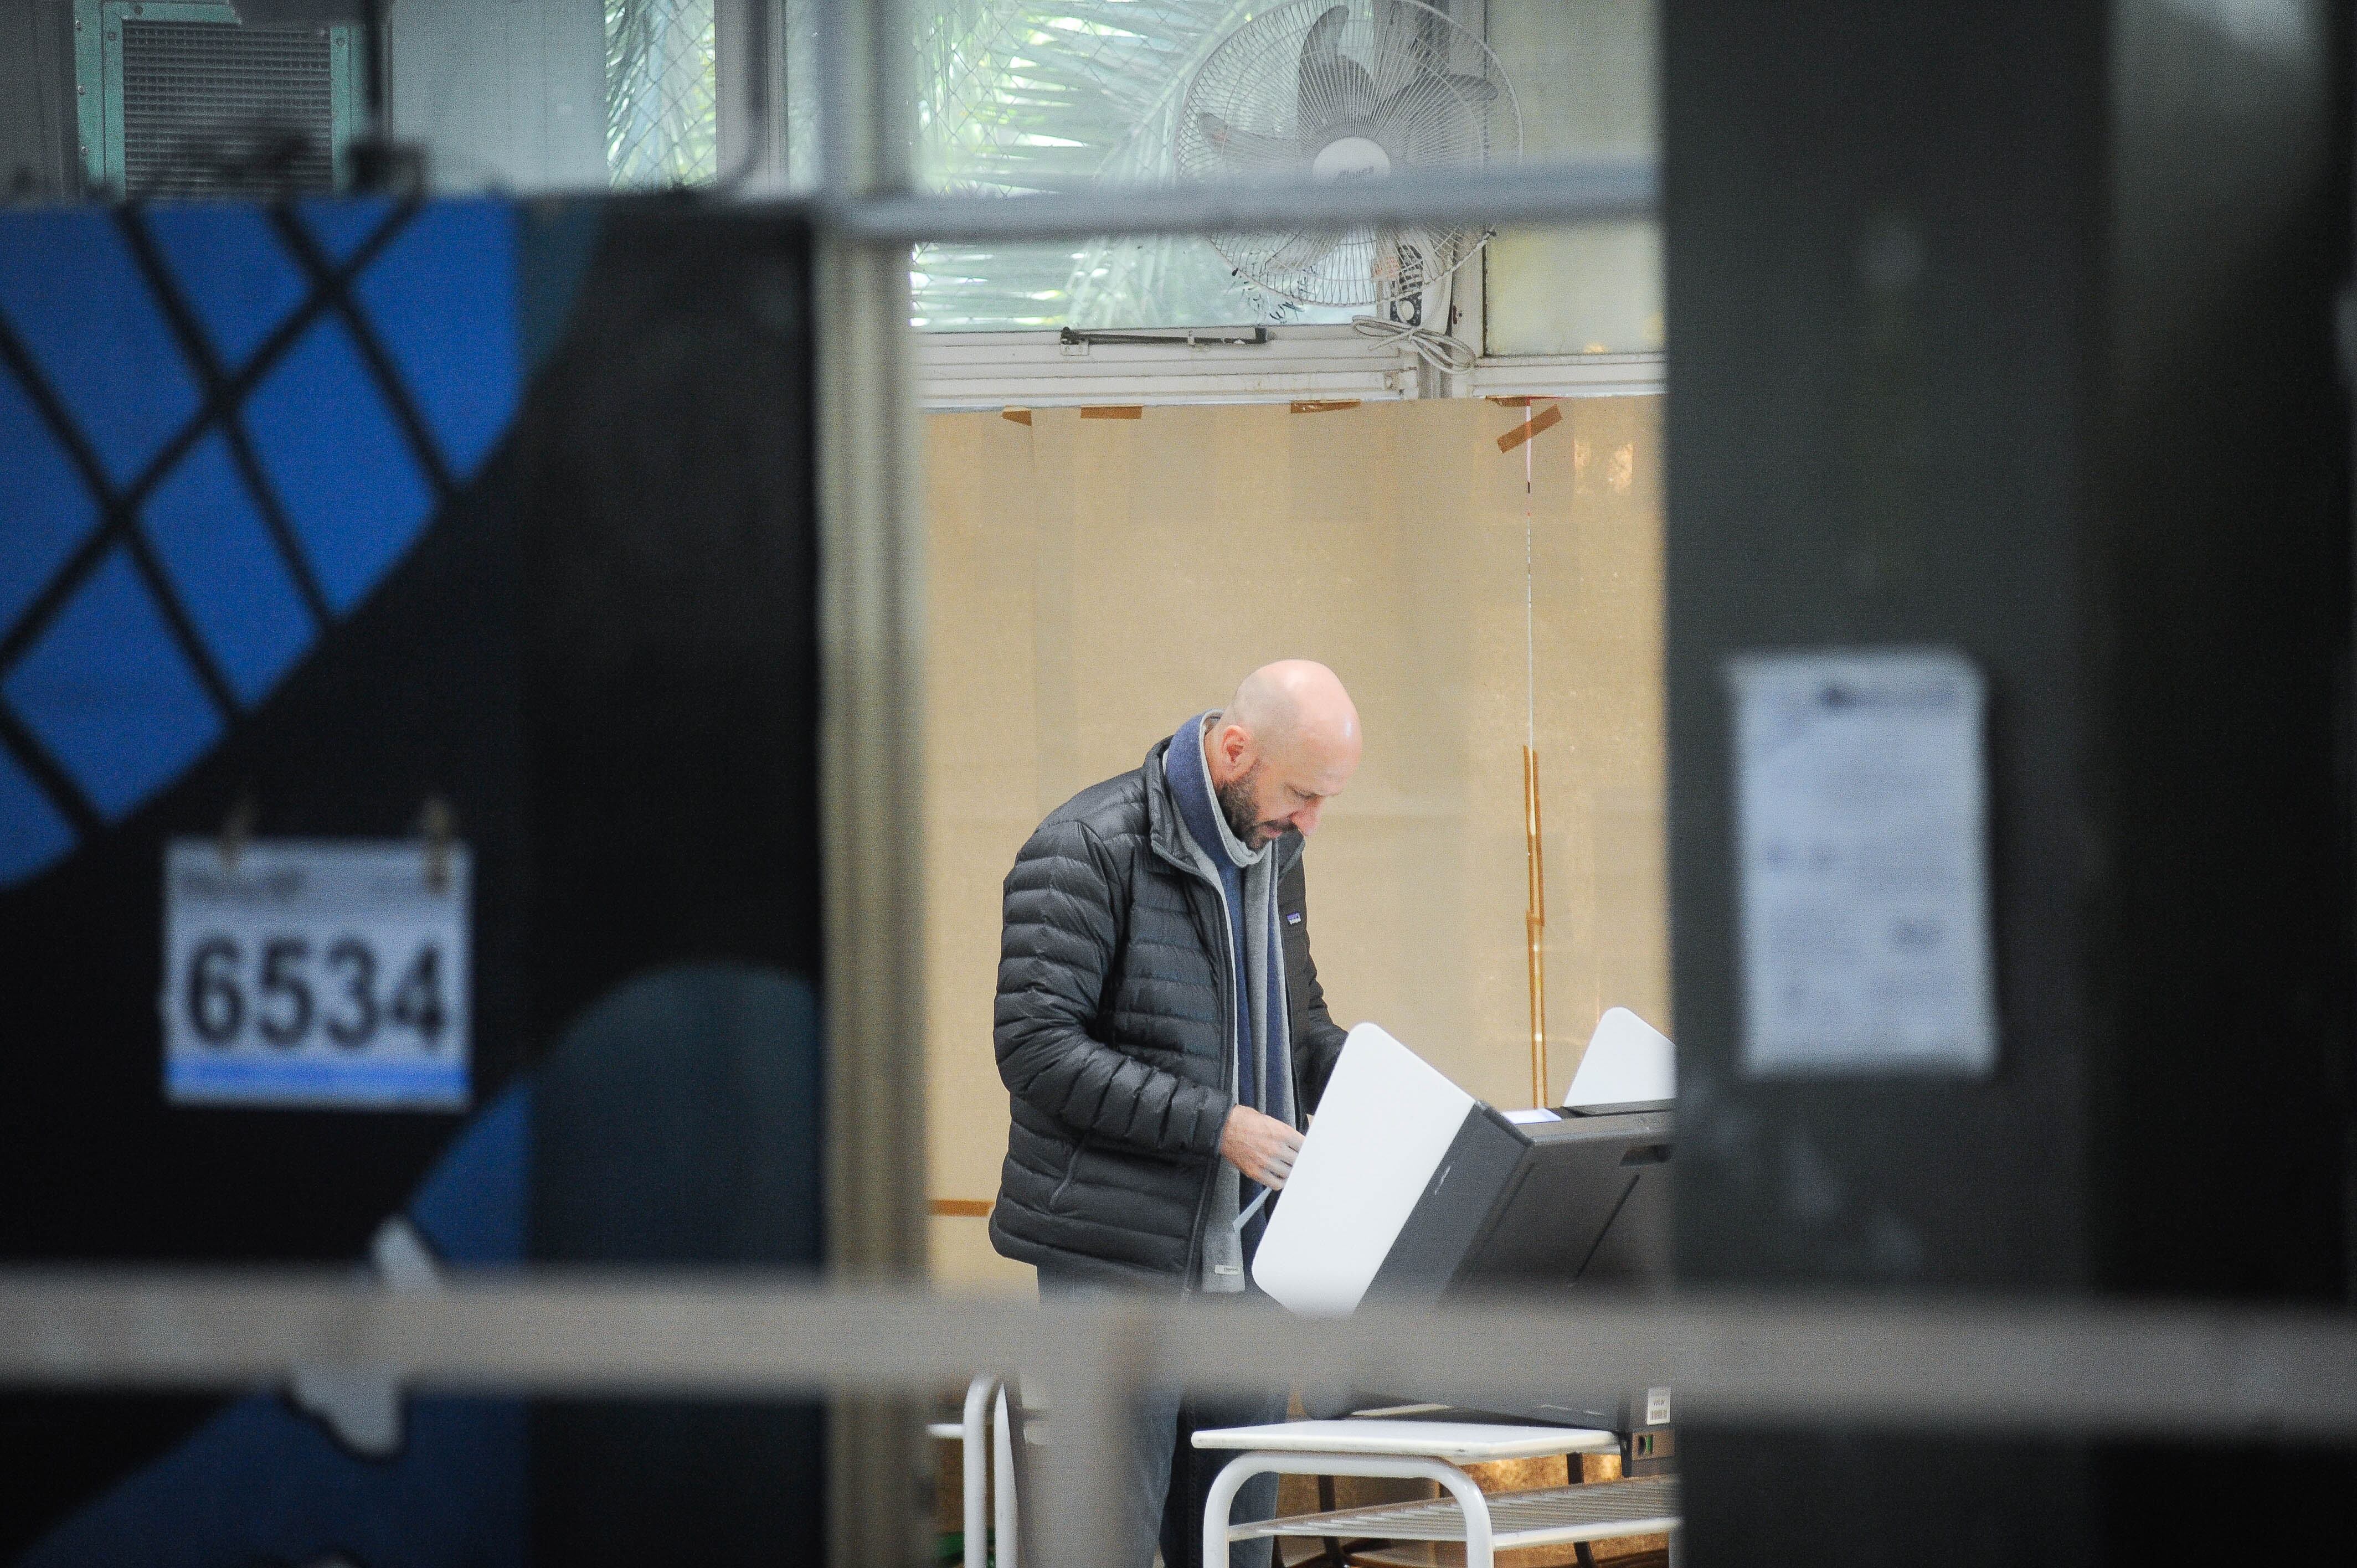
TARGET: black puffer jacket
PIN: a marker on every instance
(1116, 1005)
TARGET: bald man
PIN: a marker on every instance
(1163, 1039)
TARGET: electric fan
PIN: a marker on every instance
(1349, 92)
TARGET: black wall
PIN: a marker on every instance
(2009, 328)
(603, 656)
(666, 508)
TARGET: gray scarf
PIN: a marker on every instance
(1261, 1039)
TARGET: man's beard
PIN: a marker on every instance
(1236, 804)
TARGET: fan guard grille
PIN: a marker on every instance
(1352, 90)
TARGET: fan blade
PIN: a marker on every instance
(1430, 91)
(1436, 254)
(1400, 263)
(1249, 148)
(1332, 86)
(1301, 252)
(1410, 40)
(1358, 89)
(1423, 120)
(1396, 29)
(1472, 89)
(1322, 47)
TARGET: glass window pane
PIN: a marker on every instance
(799, 20)
(1584, 72)
(1120, 281)
(1053, 97)
(662, 93)
(501, 97)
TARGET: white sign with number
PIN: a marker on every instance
(311, 972)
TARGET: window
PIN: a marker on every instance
(1028, 97)
(1066, 95)
(662, 93)
(1585, 71)
(1022, 96)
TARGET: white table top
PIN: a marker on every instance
(1472, 1441)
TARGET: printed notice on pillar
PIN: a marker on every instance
(1861, 833)
(307, 972)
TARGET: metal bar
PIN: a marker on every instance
(1098, 1371)
(842, 154)
(1174, 337)
(745, 111)
(1473, 1530)
(871, 629)
(1595, 1510)
(871, 621)
(1534, 923)
(975, 1424)
(2212, 1371)
(1006, 1550)
(1587, 191)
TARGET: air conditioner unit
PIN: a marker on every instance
(185, 100)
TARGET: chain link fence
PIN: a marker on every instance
(662, 99)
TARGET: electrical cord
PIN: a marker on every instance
(1436, 348)
(1449, 356)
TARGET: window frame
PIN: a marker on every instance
(961, 370)
(975, 370)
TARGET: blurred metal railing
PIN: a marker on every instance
(1583, 191)
(1951, 1364)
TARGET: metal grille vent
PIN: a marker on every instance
(214, 110)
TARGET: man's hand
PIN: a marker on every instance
(1263, 1147)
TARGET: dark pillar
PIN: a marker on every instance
(40, 156)
(2009, 328)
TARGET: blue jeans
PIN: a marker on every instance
(1168, 1477)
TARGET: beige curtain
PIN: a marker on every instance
(1096, 575)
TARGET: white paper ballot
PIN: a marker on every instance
(1628, 1062)
(1860, 831)
(1382, 1126)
